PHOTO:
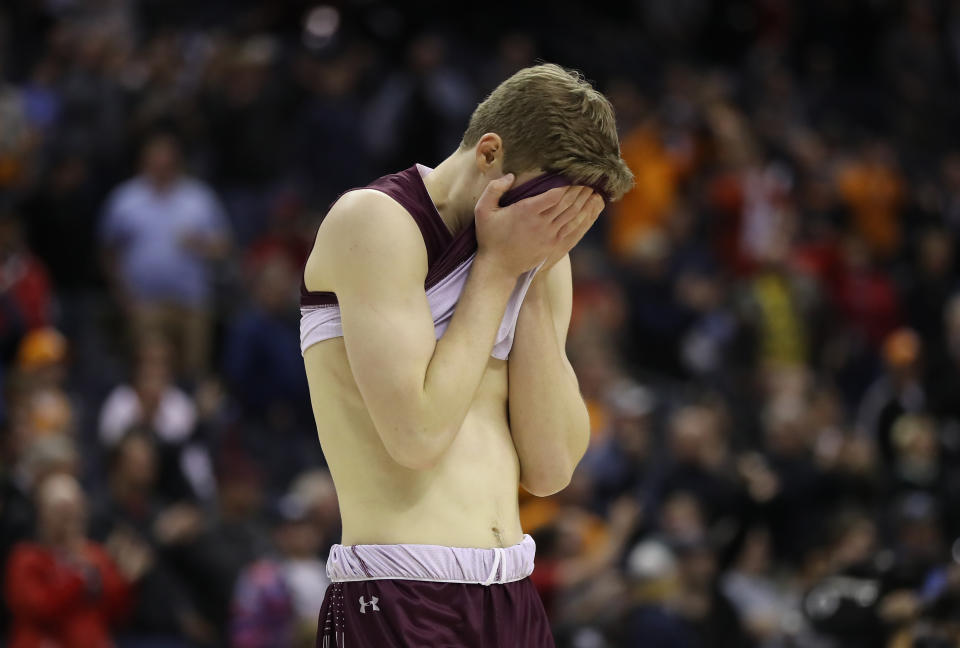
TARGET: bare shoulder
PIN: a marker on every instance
(364, 231)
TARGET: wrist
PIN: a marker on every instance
(494, 270)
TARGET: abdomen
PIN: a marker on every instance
(468, 499)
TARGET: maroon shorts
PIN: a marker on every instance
(391, 613)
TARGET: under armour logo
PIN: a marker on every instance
(372, 603)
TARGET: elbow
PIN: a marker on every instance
(544, 475)
(544, 481)
(545, 486)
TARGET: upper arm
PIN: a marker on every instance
(371, 253)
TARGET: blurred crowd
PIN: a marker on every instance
(766, 329)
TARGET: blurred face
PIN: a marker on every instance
(785, 434)
(61, 510)
(240, 497)
(695, 437)
(426, 53)
(151, 382)
(698, 568)
(571, 529)
(936, 253)
(137, 464)
(924, 443)
(921, 539)
(161, 161)
(633, 434)
(682, 517)
(857, 544)
(273, 288)
(755, 557)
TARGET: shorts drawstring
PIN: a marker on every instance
(493, 576)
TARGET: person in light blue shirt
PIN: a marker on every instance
(161, 231)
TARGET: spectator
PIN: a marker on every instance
(873, 190)
(943, 375)
(654, 586)
(262, 355)
(929, 288)
(132, 508)
(161, 230)
(276, 598)
(236, 537)
(766, 604)
(700, 464)
(420, 111)
(900, 390)
(658, 159)
(621, 463)
(39, 381)
(63, 589)
(152, 402)
(705, 607)
(315, 488)
(31, 459)
(25, 292)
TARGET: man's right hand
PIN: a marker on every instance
(518, 237)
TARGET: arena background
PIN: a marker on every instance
(767, 329)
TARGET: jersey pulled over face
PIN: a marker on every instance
(469, 499)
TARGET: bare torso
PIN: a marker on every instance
(469, 499)
(416, 430)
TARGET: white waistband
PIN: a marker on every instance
(431, 563)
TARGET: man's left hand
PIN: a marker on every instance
(585, 209)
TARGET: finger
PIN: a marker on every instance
(574, 210)
(588, 215)
(541, 202)
(580, 196)
(597, 203)
(569, 197)
(577, 226)
(490, 198)
(582, 199)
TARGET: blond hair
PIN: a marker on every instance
(552, 118)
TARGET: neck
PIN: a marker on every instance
(449, 192)
(162, 185)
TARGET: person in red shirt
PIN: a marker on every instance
(64, 591)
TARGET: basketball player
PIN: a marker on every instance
(434, 313)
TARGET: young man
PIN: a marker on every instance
(433, 325)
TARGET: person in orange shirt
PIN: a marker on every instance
(874, 191)
(658, 169)
(62, 590)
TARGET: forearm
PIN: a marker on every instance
(461, 356)
(548, 418)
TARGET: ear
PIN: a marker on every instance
(489, 154)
